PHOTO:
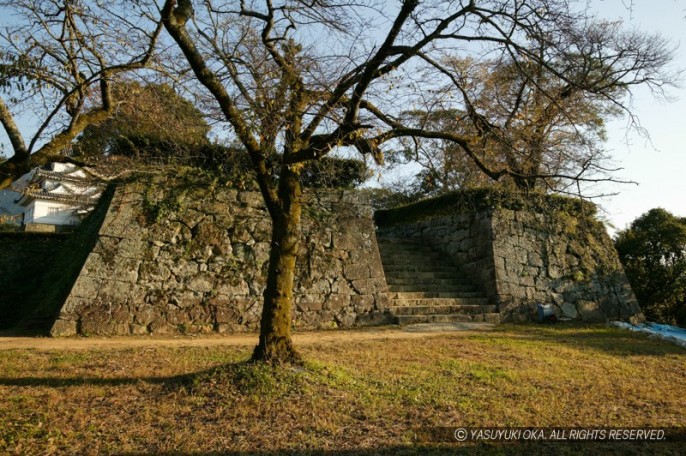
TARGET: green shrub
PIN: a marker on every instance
(474, 200)
(653, 252)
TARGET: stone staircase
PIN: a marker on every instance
(425, 287)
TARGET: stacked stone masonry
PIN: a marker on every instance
(522, 259)
(174, 258)
(185, 255)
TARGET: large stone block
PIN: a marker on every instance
(132, 248)
(345, 319)
(354, 271)
(154, 271)
(200, 283)
(114, 291)
(369, 286)
(146, 315)
(310, 302)
(362, 304)
(336, 302)
(86, 287)
(569, 310)
(63, 328)
(186, 299)
(127, 269)
(590, 311)
(227, 315)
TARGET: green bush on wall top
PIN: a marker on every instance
(474, 200)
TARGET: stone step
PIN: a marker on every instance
(383, 244)
(419, 275)
(428, 255)
(392, 268)
(426, 302)
(425, 287)
(433, 294)
(442, 310)
(431, 288)
(416, 262)
(426, 281)
(446, 318)
(403, 247)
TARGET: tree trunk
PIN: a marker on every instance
(13, 168)
(275, 345)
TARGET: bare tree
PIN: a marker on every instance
(443, 165)
(298, 79)
(58, 59)
(548, 130)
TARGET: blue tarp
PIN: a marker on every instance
(669, 333)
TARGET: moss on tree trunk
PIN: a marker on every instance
(275, 345)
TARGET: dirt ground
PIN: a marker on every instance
(13, 342)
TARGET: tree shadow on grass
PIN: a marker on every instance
(58, 382)
(242, 376)
(603, 338)
(169, 382)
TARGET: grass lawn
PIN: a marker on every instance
(352, 397)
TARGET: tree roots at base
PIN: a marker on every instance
(277, 351)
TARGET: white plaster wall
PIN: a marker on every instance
(69, 170)
(63, 167)
(42, 213)
(69, 188)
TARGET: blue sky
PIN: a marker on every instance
(656, 162)
(657, 165)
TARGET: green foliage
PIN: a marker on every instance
(167, 193)
(329, 172)
(155, 211)
(155, 124)
(653, 252)
(151, 122)
(7, 228)
(484, 198)
(230, 163)
(386, 198)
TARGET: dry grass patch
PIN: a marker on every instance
(350, 398)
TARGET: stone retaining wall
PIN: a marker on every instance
(559, 259)
(184, 255)
(187, 256)
(525, 257)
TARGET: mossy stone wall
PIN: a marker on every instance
(524, 250)
(184, 254)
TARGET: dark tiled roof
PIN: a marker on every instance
(64, 177)
(41, 194)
